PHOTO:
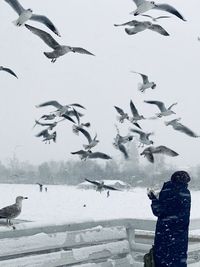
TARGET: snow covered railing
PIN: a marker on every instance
(87, 244)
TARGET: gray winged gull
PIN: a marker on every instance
(139, 26)
(8, 70)
(144, 6)
(149, 151)
(146, 83)
(61, 109)
(124, 116)
(79, 125)
(181, 128)
(163, 110)
(58, 50)
(12, 211)
(91, 155)
(47, 136)
(136, 116)
(101, 186)
(91, 142)
(144, 137)
(27, 14)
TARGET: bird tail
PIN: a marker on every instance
(167, 123)
(48, 54)
(86, 147)
(17, 23)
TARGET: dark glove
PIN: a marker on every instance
(151, 196)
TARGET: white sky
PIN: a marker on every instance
(98, 82)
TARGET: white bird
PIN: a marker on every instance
(155, 18)
(146, 84)
(58, 50)
(8, 70)
(12, 211)
(163, 110)
(47, 136)
(144, 137)
(91, 142)
(27, 14)
(139, 26)
(181, 128)
(143, 6)
(136, 116)
(149, 151)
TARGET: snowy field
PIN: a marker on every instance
(66, 203)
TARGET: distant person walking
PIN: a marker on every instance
(46, 189)
(40, 186)
(172, 208)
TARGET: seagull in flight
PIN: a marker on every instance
(163, 110)
(136, 116)
(47, 136)
(58, 50)
(91, 155)
(139, 26)
(149, 151)
(91, 142)
(79, 125)
(9, 71)
(144, 137)
(101, 186)
(155, 18)
(144, 6)
(12, 211)
(124, 116)
(181, 128)
(146, 84)
(61, 110)
(27, 14)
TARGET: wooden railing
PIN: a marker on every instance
(94, 243)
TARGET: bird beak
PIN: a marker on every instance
(25, 198)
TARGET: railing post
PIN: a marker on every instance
(130, 231)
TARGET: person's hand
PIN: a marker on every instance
(151, 194)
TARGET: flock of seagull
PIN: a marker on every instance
(70, 113)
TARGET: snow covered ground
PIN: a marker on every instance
(66, 203)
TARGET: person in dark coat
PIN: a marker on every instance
(172, 208)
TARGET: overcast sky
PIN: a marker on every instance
(98, 82)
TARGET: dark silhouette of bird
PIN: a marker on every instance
(101, 186)
(9, 71)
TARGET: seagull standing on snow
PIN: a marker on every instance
(146, 84)
(144, 6)
(12, 211)
(149, 151)
(58, 50)
(181, 128)
(26, 14)
(163, 110)
(139, 26)
(8, 70)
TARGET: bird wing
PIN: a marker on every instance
(43, 133)
(80, 152)
(138, 2)
(172, 105)
(46, 37)
(137, 125)
(145, 15)
(46, 21)
(110, 188)
(76, 115)
(150, 157)
(123, 150)
(133, 109)
(157, 28)
(68, 118)
(184, 129)
(160, 104)
(16, 6)
(144, 77)
(170, 9)
(92, 182)
(77, 105)
(81, 50)
(137, 131)
(130, 23)
(138, 28)
(165, 150)
(163, 17)
(9, 71)
(50, 103)
(9, 211)
(87, 135)
(119, 110)
(100, 155)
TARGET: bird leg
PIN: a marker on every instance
(53, 60)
